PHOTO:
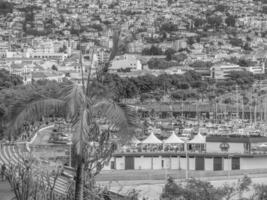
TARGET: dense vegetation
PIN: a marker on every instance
(189, 85)
(12, 92)
(5, 7)
(201, 190)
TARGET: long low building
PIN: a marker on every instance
(221, 153)
(209, 162)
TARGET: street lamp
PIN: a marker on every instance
(229, 166)
(187, 162)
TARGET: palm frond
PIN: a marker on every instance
(82, 129)
(121, 117)
(21, 100)
(74, 98)
(33, 112)
(99, 91)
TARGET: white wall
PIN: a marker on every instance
(215, 147)
(192, 163)
(227, 164)
(209, 164)
(157, 163)
(142, 163)
(120, 162)
(126, 61)
(108, 165)
(253, 163)
(183, 163)
(167, 162)
(175, 163)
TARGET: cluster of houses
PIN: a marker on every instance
(56, 54)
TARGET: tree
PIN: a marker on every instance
(244, 63)
(168, 27)
(83, 106)
(215, 21)
(230, 21)
(236, 42)
(158, 63)
(171, 189)
(5, 7)
(201, 190)
(221, 8)
(153, 50)
(201, 64)
(63, 49)
(180, 57)
(54, 68)
(29, 183)
(169, 53)
(8, 80)
(190, 40)
(247, 47)
(193, 190)
(241, 78)
(260, 192)
(198, 22)
(231, 191)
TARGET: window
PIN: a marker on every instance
(217, 163)
(235, 163)
(112, 165)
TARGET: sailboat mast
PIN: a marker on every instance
(237, 109)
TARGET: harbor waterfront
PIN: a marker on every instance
(239, 155)
(244, 149)
(133, 99)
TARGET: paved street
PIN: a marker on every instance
(42, 136)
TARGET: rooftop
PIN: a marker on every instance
(236, 139)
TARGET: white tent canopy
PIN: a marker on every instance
(152, 139)
(198, 139)
(173, 139)
(134, 140)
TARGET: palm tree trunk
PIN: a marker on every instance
(79, 182)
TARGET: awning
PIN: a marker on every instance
(152, 139)
(173, 139)
(198, 139)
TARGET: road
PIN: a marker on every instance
(43, 136)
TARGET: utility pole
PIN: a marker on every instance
(243, 112)
(237, 105)
(187, 162)
(250, 107)
(255, 108)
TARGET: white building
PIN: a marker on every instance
(4, 47)
(222, 154)
(256, 69)
(47, 75)
(126, 62)
(220, 71)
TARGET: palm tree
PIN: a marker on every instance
(84, 107)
